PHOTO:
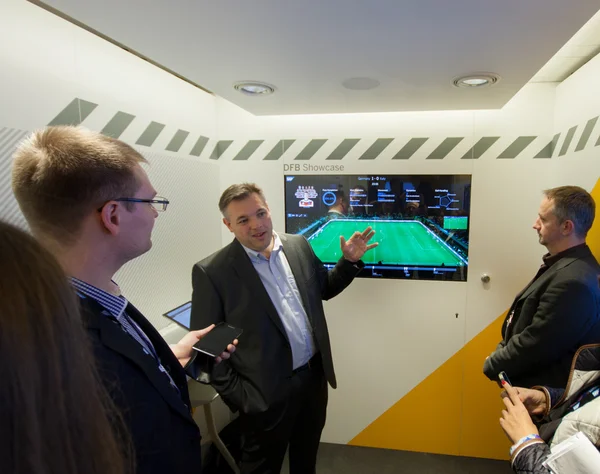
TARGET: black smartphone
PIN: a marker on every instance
(502, 377)
(216, 341)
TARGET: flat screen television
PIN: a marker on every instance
(421, 221)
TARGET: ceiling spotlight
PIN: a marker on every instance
(476, 80)
(254, 88)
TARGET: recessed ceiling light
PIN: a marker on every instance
(476, 80)
(254, 88)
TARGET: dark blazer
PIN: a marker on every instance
(554, 316)
(228, 288)
(165, 437)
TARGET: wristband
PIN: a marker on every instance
(523, 440)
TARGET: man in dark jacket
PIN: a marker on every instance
(88, 200)
(272, 285)
(559, 310)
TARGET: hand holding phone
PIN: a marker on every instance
(215, 342)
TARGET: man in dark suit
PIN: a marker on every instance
(86, 198)
(559, 311)
(272, 286)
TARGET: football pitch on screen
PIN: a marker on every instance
(400, 243)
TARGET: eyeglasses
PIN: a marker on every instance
(159, 203)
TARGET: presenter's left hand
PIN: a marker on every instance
(183, 349)
(357, 245)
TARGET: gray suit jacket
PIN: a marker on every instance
(226, 287)
(554, 316)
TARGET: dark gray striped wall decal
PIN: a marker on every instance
(220, 148)
(10, 211)
(151, 133)
(480, 148)
(177, 140)
(567, 142)
(9, 139)
(278, 150)
(409, 149)
(585, 136)
(247, 150)
(343, 148)
(74, 113)
(548, 150)
(444, 148)
(199, 146)
(376, 148)
(309, 150)
(117, 125)
(516, 147)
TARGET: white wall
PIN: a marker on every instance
(387, 336)
(46, 63)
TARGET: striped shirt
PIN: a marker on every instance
(115, 309)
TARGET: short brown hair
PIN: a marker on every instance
(237, 192)
(575, 204)
(62, 173)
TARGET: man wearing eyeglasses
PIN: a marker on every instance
(88, 200)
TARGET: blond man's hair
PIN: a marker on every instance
(61, 174)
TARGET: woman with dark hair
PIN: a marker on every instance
(55, 417)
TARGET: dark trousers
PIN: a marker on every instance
(296, 421)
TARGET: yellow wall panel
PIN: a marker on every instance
(593, 238)
(426, 419)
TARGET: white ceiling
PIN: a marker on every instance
(308, 48)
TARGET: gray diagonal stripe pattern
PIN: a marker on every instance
(597, 142)
(199, 146)
(567, 142)
(278, 150)
(220, 148)
(177, 140)
(376, 148)
(585, 136)
(516, 147)
(444, 148)
(247, 150)
(548, 150)
(117, 125)
(74, 113)
(410, 148)
(151, 133)
(10, 211)
(343, 148)
(309, 150)
(479, 148)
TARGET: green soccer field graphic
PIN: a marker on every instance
(400, 243)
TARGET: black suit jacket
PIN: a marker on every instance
(228, 288)
(165, 437)
(554, 316)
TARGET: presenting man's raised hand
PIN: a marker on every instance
(358, 244)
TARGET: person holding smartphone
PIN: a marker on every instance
(272, 285)
(559, 413)
(88, 200)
